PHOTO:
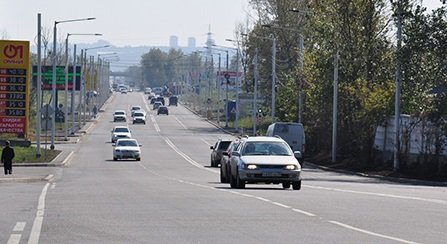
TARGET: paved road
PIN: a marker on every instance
(173, 196)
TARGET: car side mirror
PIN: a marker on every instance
(211, 147)
(237, 154)
(140, 145)
(297, 154)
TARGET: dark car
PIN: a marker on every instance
(162, 110)
(218, 148)
(225, 161)
(173, 101)
(160, 99)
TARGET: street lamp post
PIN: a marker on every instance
(83, 79)
(66, 82)
(53, 121)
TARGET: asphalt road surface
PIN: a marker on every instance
(173, 196)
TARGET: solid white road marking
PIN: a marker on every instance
(207, 143)
(371, 233)
(191, 161)
(37, 225)
(14, 239)
(155, 123)
(180, 122)
(20, 226)
(380, 194)
(303, 212)
(53, 185)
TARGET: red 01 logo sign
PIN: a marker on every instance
(12, 51)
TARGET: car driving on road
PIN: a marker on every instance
(119, 115)
(162, 110)
(217, 149)
(134, 108)
(139, 117)
(267, 160)
(126, 148)
(225, 161)
(120, 132)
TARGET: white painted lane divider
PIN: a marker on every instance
(371, 233)
(157, 128)
(380, 194)
(194, 163)
(37, 225)
(180, 122)
(14, 239)
(20, 226)
(207, 143)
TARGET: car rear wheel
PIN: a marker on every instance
(233, 181)
(286, 185)
(138, 159)
(223, 177)
(296, 185)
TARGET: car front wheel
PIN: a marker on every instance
(240, 184)
(286, 185)
(296, 185)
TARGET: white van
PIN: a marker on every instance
(292, 133)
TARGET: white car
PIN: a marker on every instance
(126, 148)
(120, 132)
(134, 108)
(264, 159)
(119, 115)
(139, 117)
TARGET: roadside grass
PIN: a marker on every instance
(28, 155)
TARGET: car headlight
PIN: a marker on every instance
(291, 167)
(252, 166)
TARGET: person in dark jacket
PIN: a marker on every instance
(7, 156)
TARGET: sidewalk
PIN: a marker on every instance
(35, 172)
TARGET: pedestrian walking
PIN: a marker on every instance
(95, 111)
(7, 156)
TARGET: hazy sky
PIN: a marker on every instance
(130, 22)
(126, 22)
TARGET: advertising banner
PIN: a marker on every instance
(14, 87)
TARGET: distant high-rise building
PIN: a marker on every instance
(173, 42)
(191, 43)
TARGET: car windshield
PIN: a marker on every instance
(138, 114)
(121, 130)
(119, 113)
(127, 143)
(136, 108)
(266, 148)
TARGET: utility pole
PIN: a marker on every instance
(398, 81)
(334, 109)
(39, 85)
(300, 92)
(273, 77)
(255, 90)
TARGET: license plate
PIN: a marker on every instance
(271, 174)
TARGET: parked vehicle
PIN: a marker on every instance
(218, 148)
(292, 133)
(267, 160)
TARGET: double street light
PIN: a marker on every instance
(53, 121)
